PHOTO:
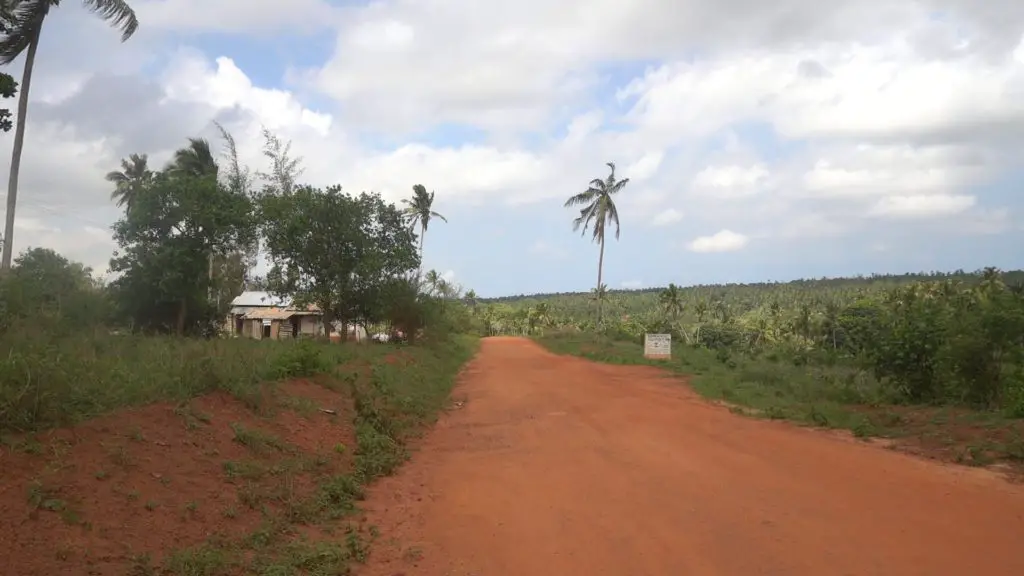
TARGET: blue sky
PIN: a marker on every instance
(901, 153)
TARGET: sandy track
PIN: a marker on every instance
(557, 466)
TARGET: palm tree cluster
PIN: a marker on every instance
(936, 337)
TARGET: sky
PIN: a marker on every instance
(763, 140)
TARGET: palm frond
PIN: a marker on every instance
(117, 13)
(582, 198)
(26, 20)
(613, 216)
(615, 188)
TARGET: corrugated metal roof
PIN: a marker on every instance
(259, 298)
(269, 314)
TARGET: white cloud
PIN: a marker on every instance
(190, 78)
(721, 241)
(921, 206)
(881, 90)
(887, 169)
(235, 15)
(667, 217)
(633, 284)
(726, 182)
(823, 119)
(645, 167)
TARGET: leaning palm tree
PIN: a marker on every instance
(22, 36)
(196, 159)
(130, 180)
(599, 209)
(419, 211)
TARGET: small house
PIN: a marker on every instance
(260, 315)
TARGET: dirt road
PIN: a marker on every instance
(557, 466)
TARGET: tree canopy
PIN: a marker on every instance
(335, 250)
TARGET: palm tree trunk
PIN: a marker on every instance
(600, 269)
(19, 143)
(423, 234)
(419, 269)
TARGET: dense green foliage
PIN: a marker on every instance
(72, 347)
(349, 255)
(940, 339)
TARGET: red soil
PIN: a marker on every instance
(555, 465)
(98, 497)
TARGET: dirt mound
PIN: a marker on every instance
(155, 486)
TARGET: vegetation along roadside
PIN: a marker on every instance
(148, 425)
(239, 478)
(933, 365)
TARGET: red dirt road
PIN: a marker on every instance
(557, 466)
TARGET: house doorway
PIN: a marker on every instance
(266, 329)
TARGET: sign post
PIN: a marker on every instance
(658, 346)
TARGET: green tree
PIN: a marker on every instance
(44, 286)
(194, 160)
(130, 180)
(471, 299)
(8, 89)
(163, 246)
(672, 301)
(22, 36)
(284, 170)
(419, 211)
(197, 161)
(432, 280)
(598, 208)
(340, 252)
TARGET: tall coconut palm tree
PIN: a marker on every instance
(22, 36)
(130, 180)
(599, 209)
(419, 211)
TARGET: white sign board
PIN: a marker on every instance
(657, 346)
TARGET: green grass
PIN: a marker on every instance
(48, 380)
(767, 386)
(394, 401)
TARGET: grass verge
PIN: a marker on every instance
(48, 381)
(397, 392)
(298, 455)
(828, 395)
